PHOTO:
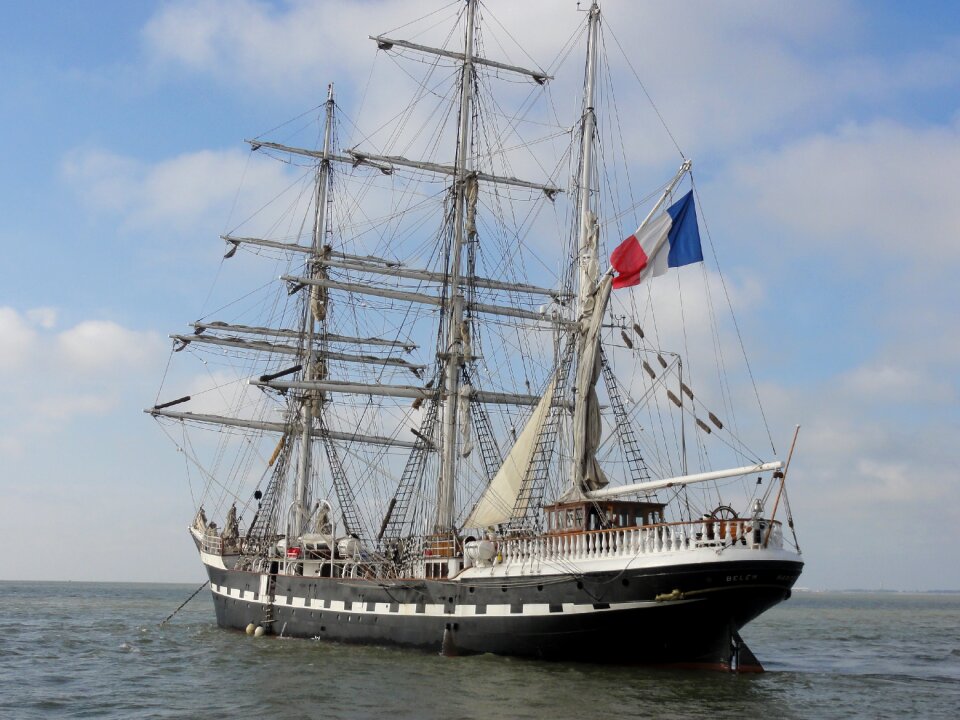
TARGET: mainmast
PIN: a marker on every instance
(453, 354)
(315, 308)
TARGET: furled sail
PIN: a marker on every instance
(497, 503)
(587, 474)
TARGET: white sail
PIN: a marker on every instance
(498, 501)
(587, 474)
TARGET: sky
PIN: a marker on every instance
(826, 143)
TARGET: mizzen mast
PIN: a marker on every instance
(587, 252)
(591, 299)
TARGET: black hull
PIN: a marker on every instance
(595, 617)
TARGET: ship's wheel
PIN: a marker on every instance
(724, 512)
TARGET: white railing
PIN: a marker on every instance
(630, 542)
(215, 545)
(210, 544)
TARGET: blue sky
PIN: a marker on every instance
(826, 142)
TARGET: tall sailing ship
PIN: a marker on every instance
(412, 416)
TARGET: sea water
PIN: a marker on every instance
(96, 650)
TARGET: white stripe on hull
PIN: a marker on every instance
(438, 609)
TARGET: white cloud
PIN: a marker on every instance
(711, 88)
(19, 339)
(102, 178)
(44, 317)
(99, 345)
(63, 408)
(861, 447)
(712, 92)
(864, 190)
(251, 44)
(178, 193)
(11, 447)
(185, 188)
(861, 479)
(82, 371)
(885, 382)
(895, 483)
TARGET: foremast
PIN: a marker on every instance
(314, 312)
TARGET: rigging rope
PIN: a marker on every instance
(736, 325)
(649, 99)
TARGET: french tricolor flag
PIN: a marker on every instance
(670, 240)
